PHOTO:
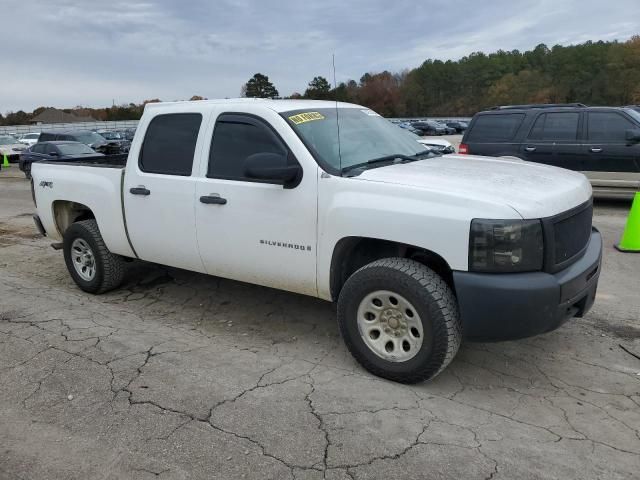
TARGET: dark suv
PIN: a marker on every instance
(89, 138)
(601, 142)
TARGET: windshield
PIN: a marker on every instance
(89, 138)
(75, 149)
(634, 114)
(7, 140)
(364, 136)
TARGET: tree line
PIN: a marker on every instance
(594, 73)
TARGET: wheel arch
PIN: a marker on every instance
(352, 253)
(67, 212)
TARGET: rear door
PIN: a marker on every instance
(258, 232)
(553, 140)
(159, 190)
(610, 161)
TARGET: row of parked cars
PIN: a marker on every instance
(433, 127)
(63, 145)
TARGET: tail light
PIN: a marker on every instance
(463, 149)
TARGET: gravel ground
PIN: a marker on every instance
(180, 376)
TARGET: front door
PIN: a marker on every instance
(159, 191)
(251, 230)
(610, 160)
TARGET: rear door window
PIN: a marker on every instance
(498, 127)
(555, 126)
(608, 127)
(170, 143)
(235, 138)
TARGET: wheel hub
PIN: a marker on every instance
(390, 326)
(83, 259)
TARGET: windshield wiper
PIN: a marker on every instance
(394, 158)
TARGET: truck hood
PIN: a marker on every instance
(532, 189)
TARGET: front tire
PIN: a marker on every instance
(399, 319)
(90, 263)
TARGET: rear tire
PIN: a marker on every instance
(90, 263)
(378, 310)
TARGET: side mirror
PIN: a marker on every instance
(53, 154)
(273, 167)
(633, 135)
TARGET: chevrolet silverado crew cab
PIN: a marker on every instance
(333, 201)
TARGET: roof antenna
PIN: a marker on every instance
(335, 93)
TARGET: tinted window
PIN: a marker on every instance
(169, 144)
(555, 126)
(38, 148)
(75, 149)
(50, 148)
(608, 127)
(45, 137)
(500, 127)
(234, 139)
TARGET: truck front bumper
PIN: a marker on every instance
(519, 305)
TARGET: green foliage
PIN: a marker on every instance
(318, 89)
(259, 86)
(594, 73)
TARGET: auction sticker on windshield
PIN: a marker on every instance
(306, 117)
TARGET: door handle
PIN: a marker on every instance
(530, 149)
(141, 190)
(213, 199)
(595, 149)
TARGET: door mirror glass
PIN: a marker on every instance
(272, 167)
(633, 135)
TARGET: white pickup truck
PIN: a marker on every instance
(332, 200)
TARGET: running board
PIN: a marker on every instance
(57, 246)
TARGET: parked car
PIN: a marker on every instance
(388, 231)
(116, 137)
(129, 133)
(438, 145)
(407, 126)
(10, 147)
(30, 138)
(601, 142)
(458, 125)
(92, 139)
(57, 150)
(429, 127)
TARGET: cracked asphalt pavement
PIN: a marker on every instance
(182, 376)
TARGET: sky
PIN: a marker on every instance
(65, 53)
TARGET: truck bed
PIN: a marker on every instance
(103, 161)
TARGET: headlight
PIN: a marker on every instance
(505, 246)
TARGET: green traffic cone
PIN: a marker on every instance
(630, 241)
(5, 162)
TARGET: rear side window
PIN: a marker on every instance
(555, 126)
(45, 137)
(495, 128)
(235, 138)
(170, 143)
(608, 127)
